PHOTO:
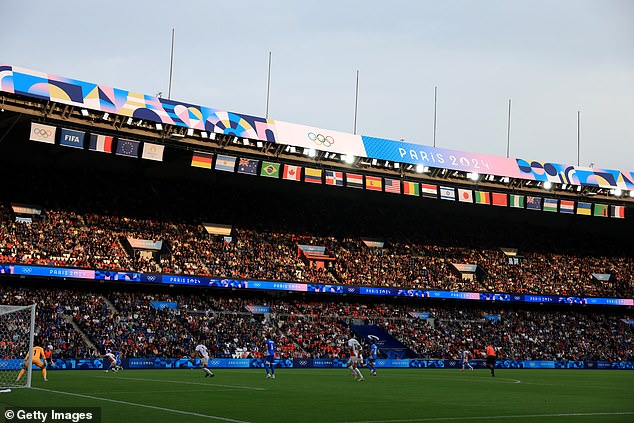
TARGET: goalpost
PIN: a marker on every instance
(17, 325)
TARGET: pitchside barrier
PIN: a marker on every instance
(254, 363)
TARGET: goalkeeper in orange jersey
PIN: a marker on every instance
(38, 355)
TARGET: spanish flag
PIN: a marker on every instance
(373, 183)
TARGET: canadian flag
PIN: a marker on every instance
(292, 173)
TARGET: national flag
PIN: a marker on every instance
(465, 195)
(448, 193)
(533, 203)
(202, 159)
(482, 197)
(499, 199)
(373, 183)
(128, 148)
(411, 188)
(270, 170)
(152, 151)
(225, 163)
(429, 191)
(617, 211)
(292, 173)
(354, 180)
(248, 166)
(42, 133)
(567, 206)
(392, 185)
(334, 178)
(601, 210)
(101, 143)
(517, 201)
(584, 208)
(550, 205)
(312, 176)
(71, 138)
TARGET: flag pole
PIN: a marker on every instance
(435, 103)
(169, 92)
(356, 103)
(508, 132)
(268, 87)
(578, 135)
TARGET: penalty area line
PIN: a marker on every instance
(152, 407)
(521, 416)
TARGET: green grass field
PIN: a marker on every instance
(332, 396)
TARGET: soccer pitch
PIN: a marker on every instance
(332, 396)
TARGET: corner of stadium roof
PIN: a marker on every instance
(32, 95)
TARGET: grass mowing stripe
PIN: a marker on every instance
(522, 416)
(184, 383)
(153, 407)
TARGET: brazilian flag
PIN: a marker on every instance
(271, 170)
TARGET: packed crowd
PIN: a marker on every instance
(92, 240)
(127, 320)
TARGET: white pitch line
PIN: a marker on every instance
(183, 382)
(521, 416)
(153, 407)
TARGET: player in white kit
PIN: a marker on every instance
(203, 353)
(465, 360)
(355, 358)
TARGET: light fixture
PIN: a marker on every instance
(312, 152)
(139, 122)
(259, 144)
(159, 127)
(203, 134)
(129, 121)
(374, 162)
(579, 188)
(105, 116)
(245, 142)
(547, 185)
(84, 112)
(420, 168)
(387, 164)
(190, 132)
(563, 187)
(397, 165)
(506, 179)
(632, 194)
(474, 176)
(292, 149)
(212, 135)
(617, 192)
(348, 158)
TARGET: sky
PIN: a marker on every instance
(552, 59)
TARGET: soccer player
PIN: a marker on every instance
(374, 351)
(37, 355)
(269, 359)
(112, 361)
(203, 353)
(491, 357)
(118, 365)
(353, 361)
(465, 360)
(48, 356)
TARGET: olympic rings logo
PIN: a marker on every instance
(319, 139)
(43, 132)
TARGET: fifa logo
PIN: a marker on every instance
(72, 138)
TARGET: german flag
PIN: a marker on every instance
(202, 159)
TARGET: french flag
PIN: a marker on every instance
(101, 143)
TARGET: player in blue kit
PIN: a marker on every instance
(269, 358)
(374, 351)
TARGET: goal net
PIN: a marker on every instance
(16, 341)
